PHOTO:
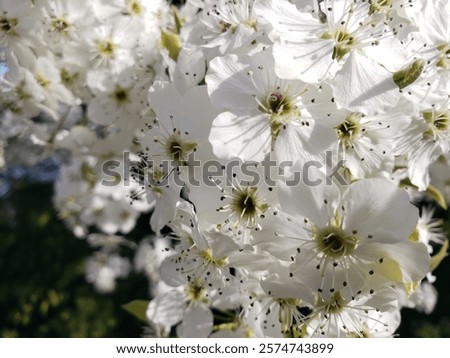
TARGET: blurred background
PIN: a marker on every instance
(43, 289)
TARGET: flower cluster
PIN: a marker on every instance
(284, 148)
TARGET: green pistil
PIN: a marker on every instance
(67, 78)
(336, 304)
(334, 243)
(246, 205)
(155, 178)
(21, 93)
(278, 104)
(121, 95)
(43, 82)
(343, 43)
(350, 129)
(379, 5)
(285, 315)
(106, 48)
(134, 7)
(8, 25)
(362, 334)
(60, 25)
(179, 149)
(252, 24)
(223, 26)
(209, 258)
(438, 121)
(195, 293)
(279, 107)
(88, 175)
(444, 60)
(12, 106)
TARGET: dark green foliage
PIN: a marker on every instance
(43, 292)
(437, 324)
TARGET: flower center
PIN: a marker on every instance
(134, 7)
(194, 293)
(350, 129)
(279, 106)
(60, 25)
(246, 205)
(209, 258)
(379, 6)
(444, 59)
(43, 82)
(343, 42)
(7, 25)
(336, 304)
(68, 78)
(179, 149)
(106, 48)
(120, 95)
(438, 121)
(334, 243)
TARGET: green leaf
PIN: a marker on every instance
(437, 196)
(137, 308)
(437, 259)
(171, 41)
(177, 20)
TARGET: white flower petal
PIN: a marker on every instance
(309, 61)
(402, 262)
(197, 322)
(280, 289)
(362, 85)
(378, 208)
(228, 83)
(304, 143)
(315, 198)
(241, 135)
(167, 310)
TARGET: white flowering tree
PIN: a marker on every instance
(284, 149)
